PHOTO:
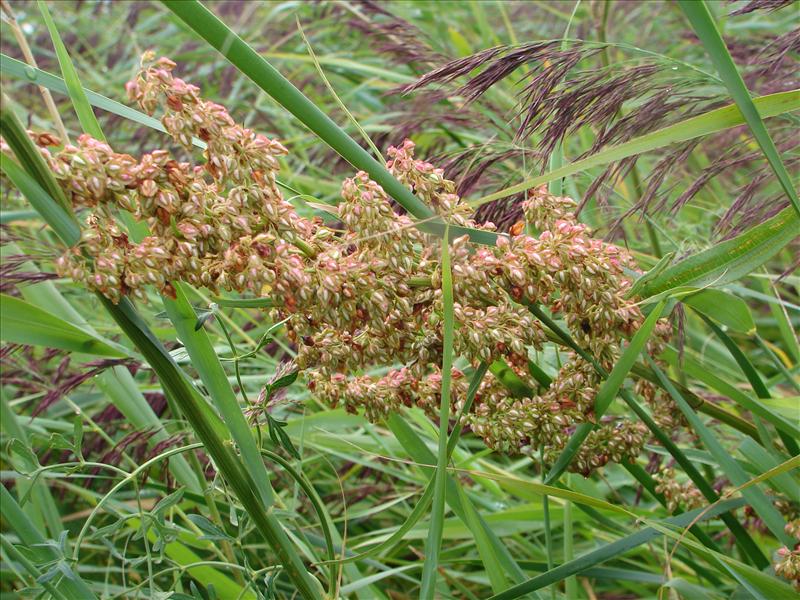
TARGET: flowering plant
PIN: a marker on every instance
(369, 293)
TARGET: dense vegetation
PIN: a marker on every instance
(400, 300)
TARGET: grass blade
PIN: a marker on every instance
(725, 308)
(434, 541)
(755, 497)
(420, 453)
(607, 392)
(19, 70)
(25, 323)
(752, 376)
(711, 122)
(213, 376)
(81, 104)
(706, 30)
(702, 373)
(424, 502)
(612, 550)
(731, 259)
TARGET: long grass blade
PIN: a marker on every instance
(420, 453)
(17, 69)
(752, 376)
(24, 323)
(611, 551)
(755, 497)
(434, 541)
(213, 376)
(706, 29)
(81, 104)
(607, 392)
(711, 122)
(731, 259)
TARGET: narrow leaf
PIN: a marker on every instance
(76, 94)
(711, 122)
(731, 259)
(610, 551)
(25, 323)
(434, 541)
(755, 497)
(607, 392)
(706, 29)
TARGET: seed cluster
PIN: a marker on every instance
(368, 297)
(684, 495)
(788, 565)
(223, 224)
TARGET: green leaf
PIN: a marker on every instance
(755, 497)
(25, 323)
(706, 29)
(213, 376)
(22, 457)
(280, 437)
(76, 94)
(62, 222)
(731, 259)
(210, 531)
(197, 568)
(761, 408)
(688, 129)
(726, 309)
(752, 376)
(488, 558)
(612, 550)
(607, 392)
(284, 381)
(434, 541)
(505, 375)
(166, 503)
(662, 264)
(29, 535)
(420, 453)
(19, 70)
(764, 460)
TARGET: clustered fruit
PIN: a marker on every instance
(366, 296)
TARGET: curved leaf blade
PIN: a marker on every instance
(25, 323)
(711, 122)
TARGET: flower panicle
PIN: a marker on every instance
(367, 296)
